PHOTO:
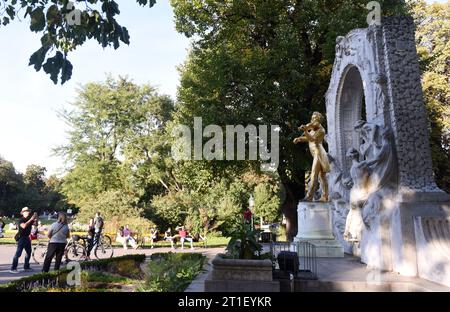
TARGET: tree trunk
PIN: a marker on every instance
(295, 190)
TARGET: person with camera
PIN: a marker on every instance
(23, 239)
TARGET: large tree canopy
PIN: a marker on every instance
(31, 189)
(112, 124)
(433, 46)
(63, 32)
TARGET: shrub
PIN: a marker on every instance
(117, 264)
(244, 243)
(137, 224)
(111, 204)
(170, 272)
(39, 280)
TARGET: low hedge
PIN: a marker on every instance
(58, 278)
(165, 256)
(102, 264)
(52, 279)
(128, 266)
(172, 272)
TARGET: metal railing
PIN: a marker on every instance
(306, 255)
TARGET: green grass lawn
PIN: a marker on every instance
(212, 242)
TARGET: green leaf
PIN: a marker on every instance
(37, 20)
(38, 57)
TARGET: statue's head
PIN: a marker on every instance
(317, 117)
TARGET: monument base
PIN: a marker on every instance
(315, 227)
(326, 248)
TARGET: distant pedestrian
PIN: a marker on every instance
(184, 237)
(168, 236)
(124, 236)
(153, 236)
(23, 240)
(90, 237)
(34, 230)
(98, 227)
(129, 237)
(58, 234)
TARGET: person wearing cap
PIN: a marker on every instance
(23, 240)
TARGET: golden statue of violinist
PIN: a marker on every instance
(314, 134)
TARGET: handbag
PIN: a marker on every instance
(17, 236)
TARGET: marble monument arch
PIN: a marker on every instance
(386, 207)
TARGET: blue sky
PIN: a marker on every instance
(29, 126)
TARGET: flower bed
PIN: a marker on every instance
(125, 267)
(172, 272)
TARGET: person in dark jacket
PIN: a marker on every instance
(23, 240)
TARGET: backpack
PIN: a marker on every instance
(99, 223)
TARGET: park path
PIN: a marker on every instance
(7, 253)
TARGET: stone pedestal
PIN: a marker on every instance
(315, 227)
(237, 275)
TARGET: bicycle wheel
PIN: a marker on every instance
(39, 252)
(75, 252)
(104, 248)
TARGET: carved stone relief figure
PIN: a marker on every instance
(359, 173)
(339, 51)
(380, 93)
(339, 46)
(368, 135)
(382, 180)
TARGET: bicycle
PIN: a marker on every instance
(77, 248)
(103, 248)
(74, 250)
(39, 251)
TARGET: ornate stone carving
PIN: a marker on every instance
(382, 180)
(380, 94)
(391, 150)
(339, 46)
(368, 133)
(374, 179)
(359, 173)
